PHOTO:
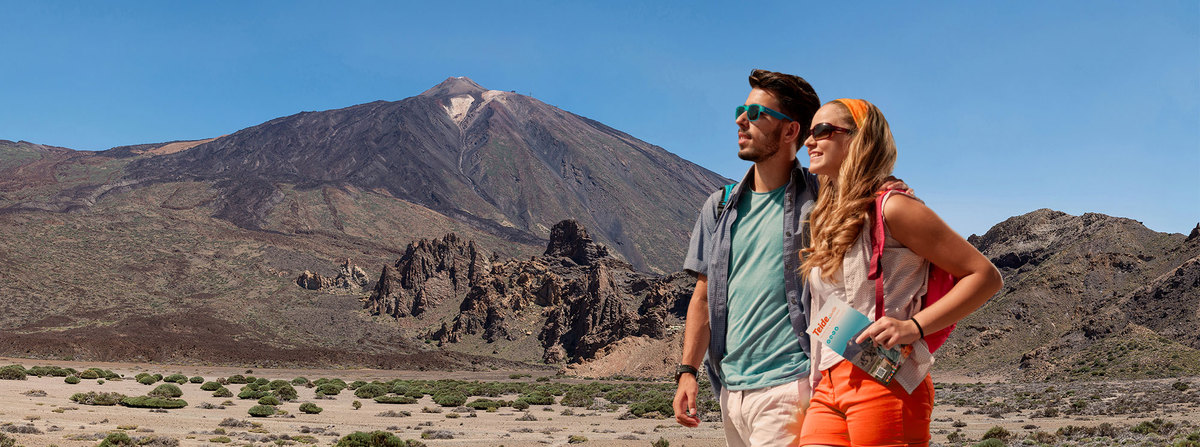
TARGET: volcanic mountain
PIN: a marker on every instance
(506, 164)
(190, 250)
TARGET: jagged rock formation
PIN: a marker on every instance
(570, 240)
(576, 299)
(428, 272)
(350, 278)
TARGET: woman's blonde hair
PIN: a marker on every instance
(844, 205)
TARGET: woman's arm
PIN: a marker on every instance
(922, 231)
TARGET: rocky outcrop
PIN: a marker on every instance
(569, 239)
(1076, 287)
(428, 272)
(576, 300)
(350, 279)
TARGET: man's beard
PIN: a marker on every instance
(769, 150)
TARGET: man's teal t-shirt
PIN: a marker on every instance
(761, 350)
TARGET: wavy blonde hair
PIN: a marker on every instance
(844, 205)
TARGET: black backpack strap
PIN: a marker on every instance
(726, 192)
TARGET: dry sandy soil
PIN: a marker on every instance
(65, 423)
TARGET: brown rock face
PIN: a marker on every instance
(576, 300)
(570, 240)
(429, 271)
(350, 278)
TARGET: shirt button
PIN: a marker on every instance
(788, 234)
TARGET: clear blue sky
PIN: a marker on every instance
(998, 108)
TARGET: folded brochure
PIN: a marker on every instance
(838, 324)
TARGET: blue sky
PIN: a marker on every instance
(998, 108)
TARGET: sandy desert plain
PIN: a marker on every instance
(38, 412)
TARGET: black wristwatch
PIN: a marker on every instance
(685, 369)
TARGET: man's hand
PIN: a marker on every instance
(685, 401)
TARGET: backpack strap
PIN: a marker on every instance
(878, 239)
(726, 192)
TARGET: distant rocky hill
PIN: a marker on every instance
(1085, 297)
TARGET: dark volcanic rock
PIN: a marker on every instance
(569, 239)
(1170, 305)
(350, 278)
(577, 300)
(429, 272)
(1077, 287)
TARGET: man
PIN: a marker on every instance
(749, 309)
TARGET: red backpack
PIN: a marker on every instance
(940, 281)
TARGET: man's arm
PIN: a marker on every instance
(695, 343)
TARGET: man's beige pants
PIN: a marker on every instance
(767, 416)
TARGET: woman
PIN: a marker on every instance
(851, 149)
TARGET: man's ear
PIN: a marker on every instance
(793, 132)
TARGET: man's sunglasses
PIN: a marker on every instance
(823, 131)
(754, 112)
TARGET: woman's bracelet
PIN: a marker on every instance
(919, 330)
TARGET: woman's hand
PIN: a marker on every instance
(889, 332)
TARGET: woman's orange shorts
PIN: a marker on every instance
(850, 408)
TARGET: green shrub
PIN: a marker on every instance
(196, 379)
(576, 439)
(395, 400)
(117, 438)
(73, 380)
(158, 377)
(261, 382)
(94, 398)
(249, 392)
(300, 381)
(577, 398)
(166, 390)
(329, 389)
(285, 392)
(997, 432)
(237, 378)
(153, 402)
(371, 391)
(89, 374)
(53, 371)
(485, 404)
(13, 372)
(356, 404)
(310, 408)
(268, 400)
(356, 384)
(537, 398)
(176, 378)
(261, 411)
(373, 439)
(653, 402)
(147, 379)
(1180, 386)
(520, 405)
(222, 392)
(210, 386)
(452, 398)
(661, 442)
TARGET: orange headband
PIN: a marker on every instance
(858, 109)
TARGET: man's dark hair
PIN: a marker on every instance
(796, 97)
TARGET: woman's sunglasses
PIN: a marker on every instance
(823, 131)
(754, 112)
